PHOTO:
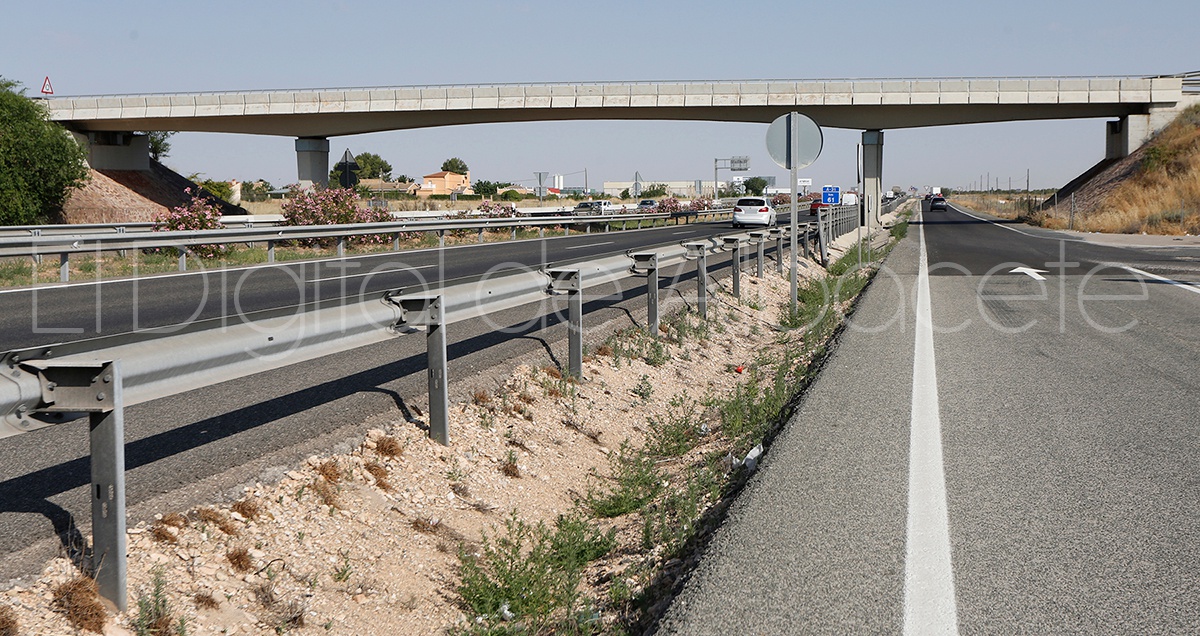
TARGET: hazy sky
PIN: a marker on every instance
(114, 47)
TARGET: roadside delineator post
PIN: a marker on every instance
(430, 312)
(568, 281)
(699, 251)
(648, 261)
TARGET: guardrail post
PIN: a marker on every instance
(396, 242)
(480, 240)
(587, 228)
(64, 267)
(37, 258)
(566, 229)
(759, 239)
(270, 251)
(568, 281)
(441, 238)
(95, 387)
(822, 238)
(777, 234)
(183, 259)
(734, 243)
(514, 233)
(700, 252)
(121, 230)
(430, 312)
(541, 231)
(341, 248)
(649, 262)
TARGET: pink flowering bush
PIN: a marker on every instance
(670, 205)
(200, 213)
(491, 210)
(699, 204)
(782, 199)
(333, 206)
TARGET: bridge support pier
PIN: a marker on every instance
(872, 141)
(312, 160)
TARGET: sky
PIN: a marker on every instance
(115, 47)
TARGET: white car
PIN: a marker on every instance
(753, 211)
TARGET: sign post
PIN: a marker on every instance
(794, 141)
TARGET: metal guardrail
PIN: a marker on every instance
(47, 385)
(87, 242)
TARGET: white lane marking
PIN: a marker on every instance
(1178, 283)
(1035, 274)
(929, 604)
(1063, 238)
(685, 232)
(32, 288)
(372, 273)
(579, 247)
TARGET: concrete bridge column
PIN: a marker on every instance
(1127, 134)
(312, 160)
(872, 141)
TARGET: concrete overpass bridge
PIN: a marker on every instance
(1136, 106)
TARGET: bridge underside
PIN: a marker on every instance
(860, 117)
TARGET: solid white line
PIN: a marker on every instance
(579, 247)
(382, 271)
(1066, 239)
(929, 604)
(684, 232)
(1184, 284)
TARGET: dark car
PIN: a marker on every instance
(647, 205)
(937, 203)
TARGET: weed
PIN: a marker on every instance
(240, 559)
(8, 622)
(899, 230)
(755, 330)
(672, 521)
(380, 473)
(155, 617)
(526, 397)
(342, 574)
(162, 533)
(205, 600)
(643, 389)
(460, 489)
(247, 508)
(79, 600)
(481, 397)
(264, 593)
(290, 616)
(388, 446)
(330, 470)
(175, 520)
(327, 492)
(604, 350)
(219, 519)
(677, 432)
(509, 467)
(552, 371)
(531, 574)
(456, 474)
(637, 482)
(658, 354)
(424, 526)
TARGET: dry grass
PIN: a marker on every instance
(389, 446)
(240, 559)
(510, 469)
(330, 470)
(380, 473)
(604, 350)
(175, 520)
(8, 622)
(289, 616)
(481, 397)
(215, 517)
(552, 371)
(205, 600)
(79, 601)
(160, 533)
(327, 492)
(248, 508)
(526, 397)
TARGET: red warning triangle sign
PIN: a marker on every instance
(47, 89)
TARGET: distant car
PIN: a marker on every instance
(816, 205)
(937, 203)
(593, 208)
(753, 211)
(647, 205)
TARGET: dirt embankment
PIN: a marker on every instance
(131, 196)
(1155, 190)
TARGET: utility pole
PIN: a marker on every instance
(1027, 180)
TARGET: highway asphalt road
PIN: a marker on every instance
(985, 452)
(199, 446)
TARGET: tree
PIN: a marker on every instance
(372, 166)
(625, 193)
(755, 185)
(485, 188)
(220, 189)
(40, 162)
(159, 146)
(456, 165)
(654, 190)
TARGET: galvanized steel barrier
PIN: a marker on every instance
(56, 383)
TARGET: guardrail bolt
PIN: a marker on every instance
(100, 396)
